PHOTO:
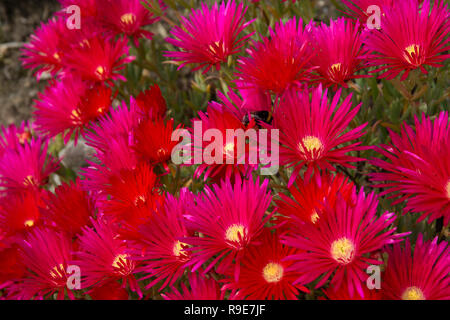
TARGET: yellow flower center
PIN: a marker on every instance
(447, 188)
(128, 18)
(29, 181)
(413, 293)
(100, 72)
(412, 49)
(235, 232)
(29, 223)
(57, 272)
(273, 272)
(343, 250)
(178, 248)
(336, 67)
(314, 216)
(76, 117)
(120, 261)
(217, 47)
(56, 56)
(311, 143)
(140, 200)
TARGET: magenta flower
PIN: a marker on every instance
(47, 255)
(28, 167)
(411, 38)
(417, 168)
(127, 17)
(159, 247)
(103, 257)
(46, 48)
(279, 62)
(229, 218)
(99, 59)
(338, 52)
(209, 36)
(313, 131)
(68, 106)
(201, 288)
(340, 243)
(424, 276)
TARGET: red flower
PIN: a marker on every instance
(152, 103)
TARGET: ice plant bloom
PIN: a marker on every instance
(201, 288)
(127, 17)
(47, 255)
(46, 48)
(160, 247)
(158, 149)
(279, 61)
(338, 244)
(209, 35)
(422, 276)
(69, 208)
(312, 131)
(411, 38)
(229, 218)
(100, 59)
(338, 52)
(152, 103)
(231, 159)
(417, 168)
(68, 106)
(103, 257)
(265, 274)
(308, 198)
(28, 167)
(19, 213)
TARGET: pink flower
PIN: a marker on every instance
(201, 288)
(279, 61)
(209, 36)
(338, 52)
(411, 38)
(313, 131)
(422, 276)
(417, 168)
(339, 244)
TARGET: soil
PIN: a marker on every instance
(18, 87)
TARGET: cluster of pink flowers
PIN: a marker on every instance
(237, 238)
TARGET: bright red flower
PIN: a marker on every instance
(46, 48)
(68, 106)
(152, 102)
(411, 38)
(313, 131)
(234, 158)
(209, 36)
(417, 168)
(47, 255)
(11, 266)
(103, 257)
(265, 274)
(279, 61)
(309, 198)
(338, 52)
(28, 167)
(20, 212)
(69, 208)
(153, 140)
(99, 59)
(111, 290)
(229, 218)
(159, 247)
(201, 288)
(424, 276)
(338, 244)
(126, 17)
